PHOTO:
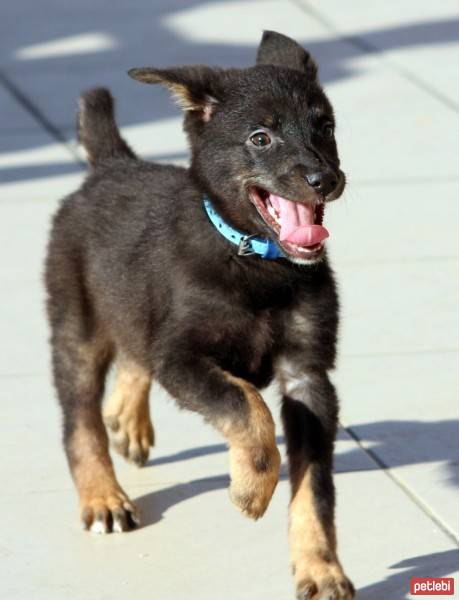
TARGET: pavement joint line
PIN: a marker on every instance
(361, 44)
(402, 353)
(37, 114)
(386, 469)
(434, 180)
(22, 375)
(397, 261)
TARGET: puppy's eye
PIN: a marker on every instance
(260, 139)
(328, 130)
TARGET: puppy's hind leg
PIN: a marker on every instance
(79, 371)
(127, 413)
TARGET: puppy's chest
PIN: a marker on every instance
(245, 345)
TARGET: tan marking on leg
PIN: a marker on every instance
(127, 413)
(254, 456)
(82, 369)
(318, 573)
(103, 503)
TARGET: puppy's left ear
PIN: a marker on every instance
(278, 49)
(194, 88)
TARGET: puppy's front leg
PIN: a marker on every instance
(237, 410)
(309, 413)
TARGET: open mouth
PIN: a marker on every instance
(296, 225)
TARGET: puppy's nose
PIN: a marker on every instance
(322, 181)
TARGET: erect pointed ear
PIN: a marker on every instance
(278, 49)
(194, 88)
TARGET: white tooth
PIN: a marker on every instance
(272, 212)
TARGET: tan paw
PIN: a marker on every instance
(127, 413)
(254, 476)
(324, 581)
(131, 434)
(109, 513)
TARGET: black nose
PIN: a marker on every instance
(322, 181)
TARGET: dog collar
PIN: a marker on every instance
(247, 244)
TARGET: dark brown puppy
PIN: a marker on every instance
(136, 271)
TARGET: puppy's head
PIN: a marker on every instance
(262, 142)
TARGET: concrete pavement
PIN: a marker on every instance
(391, 72)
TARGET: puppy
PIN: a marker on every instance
(212, 280)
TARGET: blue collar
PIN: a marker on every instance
(247, 244)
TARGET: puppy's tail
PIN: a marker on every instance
(97, 129)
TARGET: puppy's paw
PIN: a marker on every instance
(131, 434)
(254, 476)
(112, 512)
(324, 581)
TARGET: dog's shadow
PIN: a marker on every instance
(198, 451)
(154, 505)
(384, 436)
(397, 585)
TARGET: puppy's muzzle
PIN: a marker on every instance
(322, 182)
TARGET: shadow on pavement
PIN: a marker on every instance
(400, 443)
(154, 505)
(397, 586)
(195, 452)
(21, 173)
(396, 443)
(54, 82)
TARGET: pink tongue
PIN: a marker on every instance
(297, 222)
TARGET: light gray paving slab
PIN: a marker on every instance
(194, 541)
(27, 208)
(400, 309)
(395, 223)
(388, 129)
(418, 38)
(192, 538)
(26, 211)
(397, 375)
(163, 490)
(164, 34)
(33, 156)
(404, 409)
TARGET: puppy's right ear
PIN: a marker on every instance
(194, 88)
(278, 49)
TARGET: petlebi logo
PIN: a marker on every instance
(432, 586)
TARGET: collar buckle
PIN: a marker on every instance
(245, 247)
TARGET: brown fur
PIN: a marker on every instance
(127, 413)
(136, 271)
(254, 456)
(313, 547)
(95, 481)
